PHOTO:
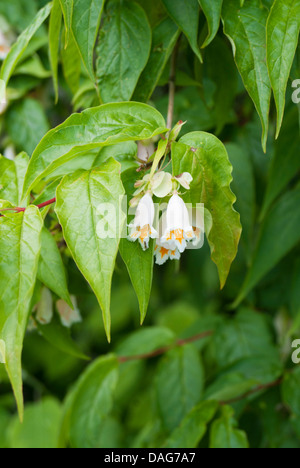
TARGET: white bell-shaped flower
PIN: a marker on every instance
(178, 227)
(162, 251)
(142, 226)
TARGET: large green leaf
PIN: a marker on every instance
(139, 263)
(85, 24)
(54, 41)
(83, 199)
(193, 427)
(26, 123)
(186, 13)
(212, 11)
(12, 174)
(246, 29)
(94, 128)
(224, 433)
(164, 38)
(245, 335)
(123, 50)
(90, 402)
(19, 253)
(285, 163)
(179, 384)
(51, 271)
(21, 44)
(205, 157)
(282, 39)
(40, 428)
(279, 233)
(220, 71)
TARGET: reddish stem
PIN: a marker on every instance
(163, 350)
(20, 209)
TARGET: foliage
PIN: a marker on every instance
(106, 105)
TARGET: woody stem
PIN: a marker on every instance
(172, 84)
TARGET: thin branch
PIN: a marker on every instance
(172, 84)
(165, 349)
(19, 209)
(256, 389)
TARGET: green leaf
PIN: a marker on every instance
(220, 71)
(179, 384)
(284, 220)
(51, 271)
(246, 29)
(85, 24)
(283, 28)
(212, 11)
(18, 13)
(94, 128)
(247, 334)
(83, 199)
(205, 157)
(146, 340)
(90, 402)
(224, 434)
(67, 9)
(290, 391)
(125, 153)
(33, 67)
(40, 428)
(26, 124)
(12, 174)
(229, 386)
(21, 44)
(165, 35)
(285, 163)
(19, 254)
(59, 336)
(123, 50)
(243, 186)
(139, 263)
(193, 427)
(71, 63)
(186, 14)
(54, 41)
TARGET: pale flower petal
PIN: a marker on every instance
(185, 180)
(142, 226)
(178, 227)
(162, 184)
(67, 315)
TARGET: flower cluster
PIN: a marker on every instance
(176, 227)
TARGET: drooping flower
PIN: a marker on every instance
(196, 216)
(163, 253)
(178, 226)
(142, 226)
(67, 315)
(4, 46)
